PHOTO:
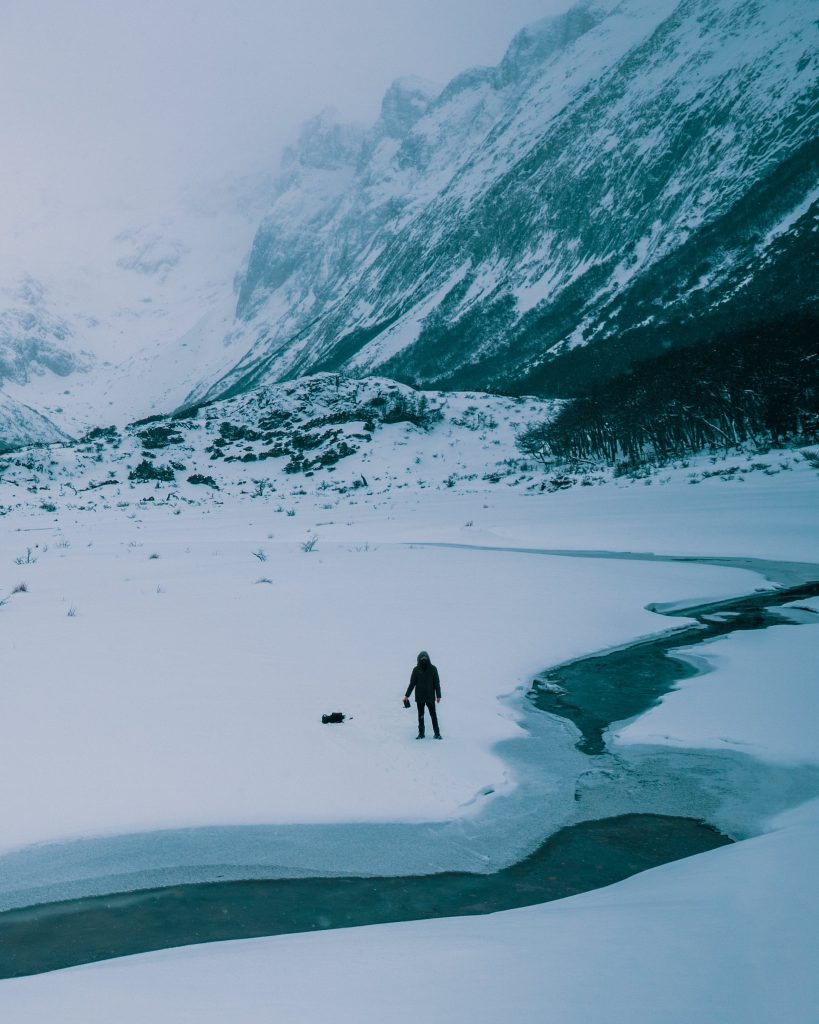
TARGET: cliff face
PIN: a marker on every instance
(628, 177)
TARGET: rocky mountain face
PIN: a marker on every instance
(631, 177)
(33, 337)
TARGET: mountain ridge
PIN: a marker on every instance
(607, 140)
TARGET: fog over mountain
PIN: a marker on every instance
(620, 178)
(628, 174)
(141, 145)
(121, 104)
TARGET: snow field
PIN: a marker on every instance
(206, 689)
(186, 691)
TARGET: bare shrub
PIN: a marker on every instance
(261, 554)
(21, 588)
(309, 544)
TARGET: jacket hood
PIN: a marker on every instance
(423, 657)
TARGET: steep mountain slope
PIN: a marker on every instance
(632, 172)
(20, 425)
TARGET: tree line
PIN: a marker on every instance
(757, 385)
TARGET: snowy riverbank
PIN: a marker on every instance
(224, 679)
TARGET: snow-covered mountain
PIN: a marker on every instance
(34, 337)
(21, 425)
(116, 312)
(632, 174)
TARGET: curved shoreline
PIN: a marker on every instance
(576, 859)
(659, 784)
(481, 841)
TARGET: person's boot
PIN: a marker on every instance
(438, 736)
(420, 736)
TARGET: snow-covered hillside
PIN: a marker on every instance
(630, 165)
(21, 426)
(329, 433)
(292, 431)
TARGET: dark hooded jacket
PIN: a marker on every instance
(424, 680)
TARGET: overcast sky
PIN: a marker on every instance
(113, 99)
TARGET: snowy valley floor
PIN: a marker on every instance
(184, 692)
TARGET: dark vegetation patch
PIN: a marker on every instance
(147, 471)
(109, 435)
(398, 407)
(201, 478)
(309, 443)
(758, 386)
(160, 436)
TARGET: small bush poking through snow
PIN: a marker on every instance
(309, 544)
(415, 409)
(27, 559)
(21, 588)
(261, 554)
(201, 478)
(146, 471)
(72, 612)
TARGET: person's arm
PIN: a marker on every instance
(411, 686)
(437, 685)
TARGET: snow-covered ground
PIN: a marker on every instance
(186, 689)
(765, 704)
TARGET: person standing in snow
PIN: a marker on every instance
(427, 685)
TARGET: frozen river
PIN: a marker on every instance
(631, 811)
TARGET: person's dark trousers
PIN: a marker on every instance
(432, 715)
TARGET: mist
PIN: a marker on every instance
(120, 105)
